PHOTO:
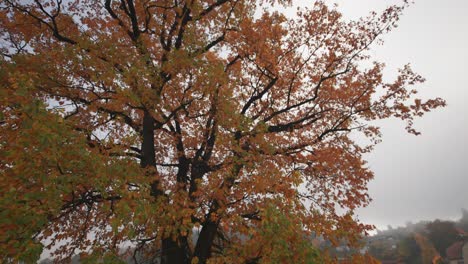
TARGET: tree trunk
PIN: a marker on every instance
(172, 252)
(148, 158)
(205, 241)
(177, 251)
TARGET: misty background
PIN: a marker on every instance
(422, 177)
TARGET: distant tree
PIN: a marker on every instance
(442, 234)
(463, 222)
(383, 249)
(409, 251)
(428, 251)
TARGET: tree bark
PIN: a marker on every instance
(172, 252)
(205, 241)
(210, 227)
(148, 158)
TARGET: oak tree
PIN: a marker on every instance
(142, 122)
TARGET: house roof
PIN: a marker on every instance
(455, 251)
(461, 231)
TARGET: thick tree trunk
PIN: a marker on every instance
(177, 252)
(205, 241)
(172, 252)
(148, 158)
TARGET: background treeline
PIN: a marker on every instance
(415, 243)
(422, 242)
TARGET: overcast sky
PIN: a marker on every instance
(422, 177)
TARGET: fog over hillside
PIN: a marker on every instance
(422, 177)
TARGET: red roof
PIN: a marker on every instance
(455, 251)
(461, 231)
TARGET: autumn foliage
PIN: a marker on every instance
(142, 122)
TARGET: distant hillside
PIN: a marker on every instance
(435, 241)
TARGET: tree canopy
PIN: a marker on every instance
(142, 121)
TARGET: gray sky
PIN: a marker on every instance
(422, 177)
